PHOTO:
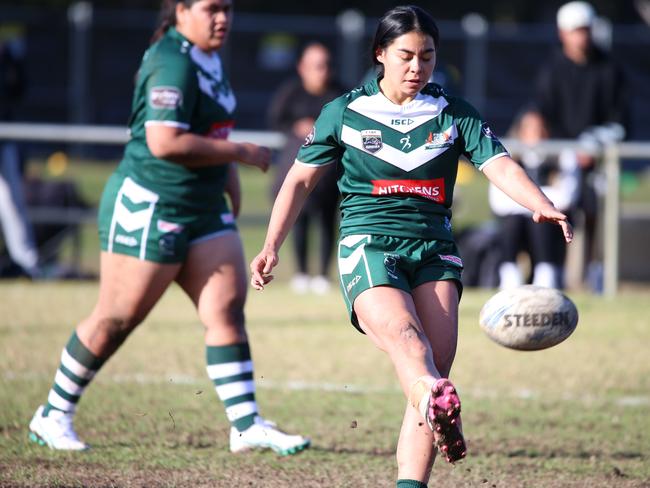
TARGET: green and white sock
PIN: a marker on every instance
(410, 484)
(78, 367)
(231, 370)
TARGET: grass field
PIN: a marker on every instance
(576, 415)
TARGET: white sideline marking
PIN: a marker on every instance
(297, 385)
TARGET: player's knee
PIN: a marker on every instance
(235, 316)
(229, 314)
(407, 337)
(115, 329)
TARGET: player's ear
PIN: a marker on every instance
(181, 9)
(380, 55)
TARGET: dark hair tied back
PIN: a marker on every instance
(167, 17)
(402, 20)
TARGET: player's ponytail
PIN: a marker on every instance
(399, 21)
(167, 17)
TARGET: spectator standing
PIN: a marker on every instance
(581, 94)
(293, 110)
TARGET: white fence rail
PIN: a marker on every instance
(611, 158)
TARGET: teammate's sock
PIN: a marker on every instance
(410, 484)
(231, 370)
(78, 367)
(546, 274)
(509, 275)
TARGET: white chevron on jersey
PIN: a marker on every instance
(405, 161)
(211, 63)
(402, 118)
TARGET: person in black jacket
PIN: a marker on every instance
(293, 110)
(581, 93)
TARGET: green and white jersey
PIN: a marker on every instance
(178, 85)
(398, 163)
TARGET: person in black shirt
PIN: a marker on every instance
(293, 110)
(581, 94)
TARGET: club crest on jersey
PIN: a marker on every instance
(165, 97)
(437, 140)
(310, 137)
(487, 132)
(371, 140)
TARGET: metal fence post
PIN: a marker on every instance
(352, 27)
(611, 220)
(476, 52)
(80, 18)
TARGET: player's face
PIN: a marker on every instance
(314, 68)
(408, 64)
(205, 23)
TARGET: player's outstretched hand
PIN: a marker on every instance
(261, 267)
(554, 216)
(254, 155)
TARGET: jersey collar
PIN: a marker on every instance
(372, 88)
(177, 36)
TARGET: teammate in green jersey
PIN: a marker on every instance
(396, 142)
(163, 217)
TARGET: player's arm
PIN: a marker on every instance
(172, 92)
(195, 151)
(299, 182)
(510, 178)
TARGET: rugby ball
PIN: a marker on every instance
(528, 317)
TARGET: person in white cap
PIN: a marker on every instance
(581, 92)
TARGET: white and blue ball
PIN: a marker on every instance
(529, 318)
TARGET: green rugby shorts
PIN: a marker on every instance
(366, 261)
(134, 220)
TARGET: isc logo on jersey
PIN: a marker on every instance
(402, 122)
(165, 97)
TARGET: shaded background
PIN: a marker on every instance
(83, 71)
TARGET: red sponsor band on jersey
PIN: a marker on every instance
(220, 130)
(429, 189)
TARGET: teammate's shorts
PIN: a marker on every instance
(133, 220)
(366, 261)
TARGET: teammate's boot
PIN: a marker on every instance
(264, 434)
(55, 431)
(443, 417)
